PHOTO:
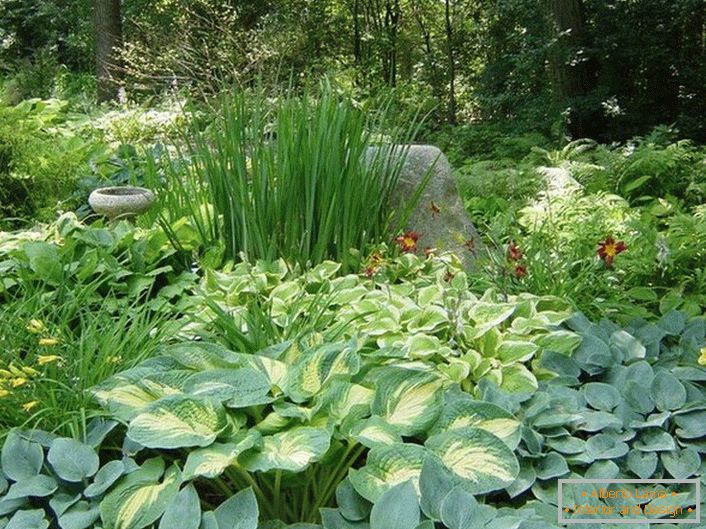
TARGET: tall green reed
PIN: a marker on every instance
(296, 177)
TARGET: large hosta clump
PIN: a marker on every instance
(294, 407)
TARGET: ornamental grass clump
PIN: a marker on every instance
(295, 178)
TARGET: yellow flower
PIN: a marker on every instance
(30, 371)
(702, 358)
(4, 373)
(115, 359)
(47, 359)
(29, 405)
(48, 342)
(36, 326)
(4, 393)
(17, 382)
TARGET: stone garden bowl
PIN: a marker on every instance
(121, 201)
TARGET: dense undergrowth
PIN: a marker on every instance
(152, 376)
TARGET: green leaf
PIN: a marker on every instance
(72, 461)
(398, 508)
(37, 486)
(552, 465)
(44, 261)
(460, 510)
(605, 446)
(20, 459)
(481, 461)
(518, 379)
(28, 520)
(667, 392)
(409, 400)
(332, 519)
(208, 521)
(386, 467)
(691, 425)
(351, 504)
(62, 501)
(681, 464)
(654, 440)
(628, 345)
(80, 516)
(291, 450)
(139, 499)
(104, 478)
(511, 351)
(315, 367)
(238, 388)
(183, 512)
(642, 464)
(525, 479)
(178, 421)
(601, 396)
(435, 482)
(374, 431)
(211, 461)
(563, 342)
(238, 512)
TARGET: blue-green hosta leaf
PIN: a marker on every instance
(10, 506)
(481, 460)
(317, 366)
(31, 519)
(386, 467)
(37, 486)
(211, 461)
(567, 445)
(200, 356)
(691, 425)
(595, 421)
(601, 396)
(562, 342)
(139, 499)
(20, 459)
(605, 446)
(238, 512)
(351, 504)
(552, 465)
(291, 450)
(62, 501)
(656, 420)
(460, 410)
(178, 421)
(208, 521)
(104, 478)
(654, 440)
(183, 512)
(80, 516)
(518, 379)
(486, 316)
(237, 388)
(332, 519)
(681, 464)
(435, 482)
(398, 507)
(375, 431)
(642, 464)
(667, 392)
(525, 479)
(409, 400)
(460, 510)
(627, 345)
(72, 461)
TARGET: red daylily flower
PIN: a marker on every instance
(513, 252)
(408, 241)
(374, 262)
(609, 248)
(520, 271)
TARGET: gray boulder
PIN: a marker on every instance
(439, 217)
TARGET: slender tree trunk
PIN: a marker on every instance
(108, 27)
(573, 72)
(451, 116)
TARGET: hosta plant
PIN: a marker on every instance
(290, 421)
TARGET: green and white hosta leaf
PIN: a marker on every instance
(386, 467)
(342, 399)
(486, 316)
(564, 342)
(211, 461)
(407, 399)
(237, 388)
(518, 379)
(461, 411)
(481, 461)
(375, 431)
(139, 499)
(291, 450)
(179, 421)
(200, 356)
(427, 320)
(275, 370)
(424, 346)
(317, 366)
(511, 351)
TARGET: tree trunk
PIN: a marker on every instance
(451, 116)
(573, 72)
(108, 26)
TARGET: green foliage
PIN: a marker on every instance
(236, 183)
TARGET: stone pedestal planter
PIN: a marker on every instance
(121, 201)
(439, 217)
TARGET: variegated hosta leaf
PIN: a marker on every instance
(487, 316)
(386, 467)
(139, 499)
(407, 399)
(200, 356)
(317, 366)
(425, 346)
(374, 431)
(512, 351)
(211, 461)
(480, 460)
(427, 320)
(343, 399)
(178, 421)
(518, 379)
(237, 388)
(461, 411)
(291, 450)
